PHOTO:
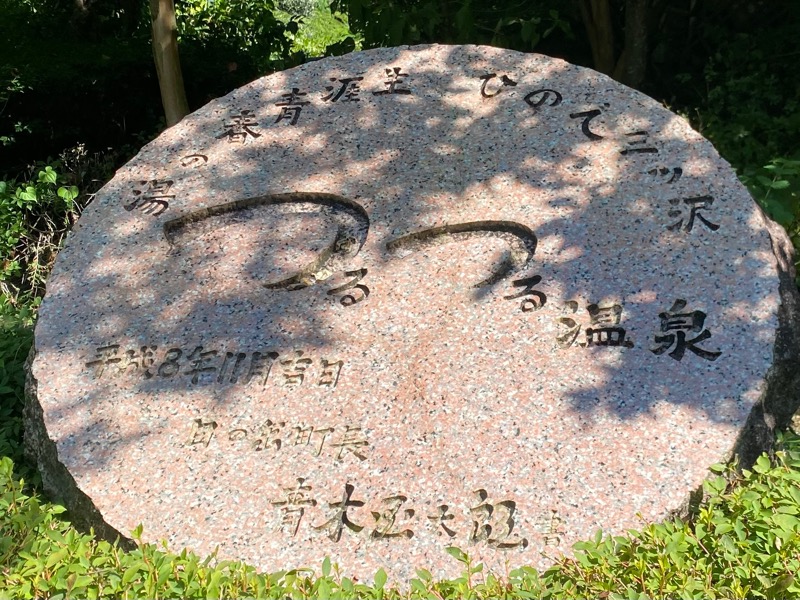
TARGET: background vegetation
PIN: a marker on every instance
(79, 94)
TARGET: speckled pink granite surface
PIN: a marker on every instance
(290, 377)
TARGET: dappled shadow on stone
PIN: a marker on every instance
(551, 299)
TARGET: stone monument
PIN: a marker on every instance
(406, 299)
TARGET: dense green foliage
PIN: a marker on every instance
(33, 218)
(731, 67)
(516, 25)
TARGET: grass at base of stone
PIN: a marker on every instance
(744, 543)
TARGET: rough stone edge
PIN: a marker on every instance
(781, 397)
(57, 482)
(779, 405)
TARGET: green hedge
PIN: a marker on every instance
(745, 543)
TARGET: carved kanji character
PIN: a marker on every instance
(340, 519)
(105, 357)
(440, 519)
(393, 80)
(292, 105)
(351, 441)
(240, 127)
(385, 520)
(293, 370)
(330, 373)
(608, 334)
(674, 325)
(494, 523)
(348, 87)
(304, 436)
(260, 366)
(695, 204)
(138, 359)
(293, 505)
(269, 435)
(201, 363)
(202, 432)
(151, 198)
(551, 526)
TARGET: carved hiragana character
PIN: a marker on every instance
(105, 357)
(680, 322)
(440, 518)
(636, 142)
(330, 373)
(151, 198)
(260, 366)
(570, 336)
(505, 80)
(237, 435)
(232, 367)
(201, 363)
(291, 106)
(293, 370)
(520, 239)
(696, 204)
(393, 80)
(588, 115)
(608, 334)
(269, 436)
(202, 432)
(359, 293)
(340, 519)
(194, 160)
(539, 97)
(537, 299)
(240, 127)
(170, 366)
(494, 523)
(385, 520)
(348, 87)
(662, 172)
(304, 436)
(551, 526)
(349, 218)
(138, 359)
(351, 441)
(293, 506)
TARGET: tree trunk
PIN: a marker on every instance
(596, 16)
(168, 65)
(632, 65)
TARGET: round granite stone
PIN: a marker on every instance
(405, 299)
